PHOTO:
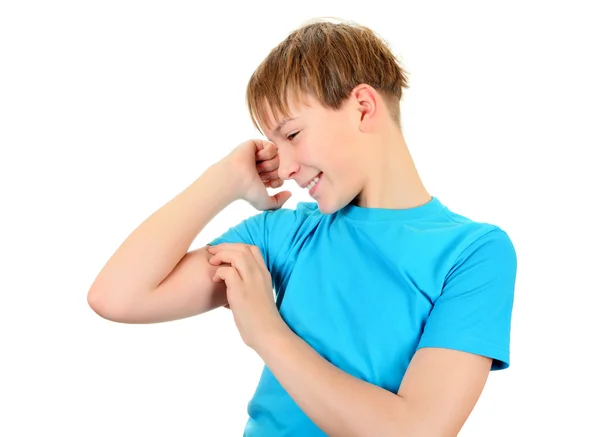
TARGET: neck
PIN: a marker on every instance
(393, 181)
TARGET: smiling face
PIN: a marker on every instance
(318, 144)
(350, 84)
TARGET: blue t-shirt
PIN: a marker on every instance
(367, 287)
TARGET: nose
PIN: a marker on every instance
(288, 165)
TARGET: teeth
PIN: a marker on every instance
(312, 183)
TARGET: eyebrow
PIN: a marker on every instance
(280, 126)
(282, 123)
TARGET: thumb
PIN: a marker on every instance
(278, 199)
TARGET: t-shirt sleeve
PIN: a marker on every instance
(266, 230)
(473, 313)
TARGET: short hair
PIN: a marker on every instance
(327, 61)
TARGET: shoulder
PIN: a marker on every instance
(483, 263)
(285, 225)
(484, 242)
(473, 238)
(289, 218)
(306, 210)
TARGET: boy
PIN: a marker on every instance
(390, 309)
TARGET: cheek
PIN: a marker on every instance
(333, 152)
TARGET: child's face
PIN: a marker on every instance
(325, 143)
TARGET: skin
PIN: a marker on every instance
(361, 152)
(364, 160)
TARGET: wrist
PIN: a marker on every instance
(273, 340)
(227, 180)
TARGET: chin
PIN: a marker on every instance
(330, 203)
(325, 210)
(329, 207)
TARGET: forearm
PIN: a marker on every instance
(340, 404)
(155, 247)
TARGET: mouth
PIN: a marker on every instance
(313, 184)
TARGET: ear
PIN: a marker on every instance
(366, 101)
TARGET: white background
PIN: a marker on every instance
(109, 109)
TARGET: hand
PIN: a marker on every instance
(249, 290)
(257, 164)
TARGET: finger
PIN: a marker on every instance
(258, 257)
(248, 263)
(277, 200)
(229, 275)
(212, 250)
(276, 183)
(269, 165)
(242, 260)
(214, 261)
(233, 247)
(260, 144)
(266, 152)
(272, 175)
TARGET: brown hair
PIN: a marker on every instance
(326, 60)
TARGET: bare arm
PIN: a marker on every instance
(151, 277)
(438, 391)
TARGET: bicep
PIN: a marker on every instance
(441, 388)
(187, 291)
(190, 290)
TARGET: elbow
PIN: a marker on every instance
(103, 306)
